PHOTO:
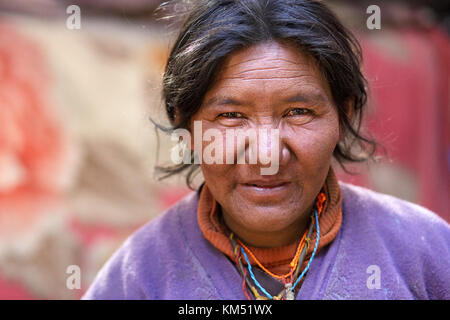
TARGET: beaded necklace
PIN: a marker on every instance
(292, 278)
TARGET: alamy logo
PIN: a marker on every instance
(263, 147)
(374, 280)
(74, 280)
(374, 20)
(74, 20)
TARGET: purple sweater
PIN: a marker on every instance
(386, 248)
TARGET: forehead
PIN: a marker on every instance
(271, 65)
(275, 53)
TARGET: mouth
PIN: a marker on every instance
(266, 185)
(263, 191)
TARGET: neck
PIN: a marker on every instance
(268, 239)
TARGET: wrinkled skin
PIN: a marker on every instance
(271, 85)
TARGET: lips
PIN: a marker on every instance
(264, 191)
(265, 183)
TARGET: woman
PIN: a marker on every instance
(290, 67)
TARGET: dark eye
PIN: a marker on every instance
(298, 112)
(230, 115)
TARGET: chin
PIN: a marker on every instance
(268, 218)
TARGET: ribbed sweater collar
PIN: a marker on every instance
(276, 259)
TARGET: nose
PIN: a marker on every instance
(268, 149)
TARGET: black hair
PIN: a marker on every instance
(213, 29)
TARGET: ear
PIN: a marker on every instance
(192, 142)
(193, 129)
(348, 112)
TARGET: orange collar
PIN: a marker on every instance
(275, 259)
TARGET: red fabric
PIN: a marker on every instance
(32, 143)
(12, 290)
(410, 113)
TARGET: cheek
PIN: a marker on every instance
(314, 148)
(219, 179)
(219, 146)
(216, 172)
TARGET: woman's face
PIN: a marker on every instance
(271, 86)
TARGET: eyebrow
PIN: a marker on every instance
(298, 98)
(224, 100)
(307, 97)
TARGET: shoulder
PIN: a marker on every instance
(155, 243)
(165, 227)
(409, 243)
(383, 209)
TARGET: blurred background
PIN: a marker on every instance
(77, 149)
